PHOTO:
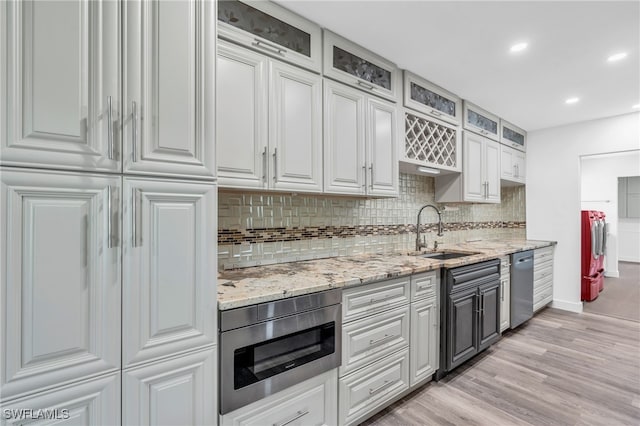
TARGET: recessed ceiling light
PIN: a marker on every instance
(571, 100)
(518, 47)
(636, 106)
(617, 57)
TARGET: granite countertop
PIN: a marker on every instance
(242, 287)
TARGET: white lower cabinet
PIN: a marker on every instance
(505, 293)
(91, 402)
(425, 338)
(178, 391)
(542, 277)
(312, 402)
(368, 389)
(169, 303)
(60, 298)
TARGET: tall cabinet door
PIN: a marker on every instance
(169, 295)
(424, 340)
(344, 139)
(61, 94)
(474, 189)
(295, 128)
(169, 78)
(492, 170)
(242, 117)
(489, 326)
(61, 287)
(463, 326)
(382, 153)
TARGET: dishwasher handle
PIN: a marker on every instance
(525, 259)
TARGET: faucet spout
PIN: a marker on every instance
(420, 245)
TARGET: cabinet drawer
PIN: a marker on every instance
(542, 303)
(312, 402)
(425, 285)
(371, 387)
(543, 287)
(542, 272)
(542, 295)
(374, 337)
(373, 298)
(542, 254)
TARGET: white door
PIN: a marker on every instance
(507, 164)
(241, 117)
(180, 391)
(425, 333)
(472, 167)
(344, 139)
(382, 153)
(295, 128)
(61, 278)
(169, 241)
(169, 51)
(61, 96)
(492, 171)
(95, 402)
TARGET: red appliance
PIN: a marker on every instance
(592, 259)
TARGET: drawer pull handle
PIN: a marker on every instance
(382, 339)
(436, 113)
(270, 47)
(379, 388)
(374, 300)
(293, 419)
(365, 85)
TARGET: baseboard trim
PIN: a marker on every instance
(612, 274)
(567, 306)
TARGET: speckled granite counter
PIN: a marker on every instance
(242, 287)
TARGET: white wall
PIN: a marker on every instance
(600, 192)
(553, 190)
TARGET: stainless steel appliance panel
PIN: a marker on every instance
(521, 287)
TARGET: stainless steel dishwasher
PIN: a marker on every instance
(521, 287)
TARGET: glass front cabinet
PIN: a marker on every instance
(481, 121)
(426, 97)
(356, 66)
(513, 136)
(271, 29)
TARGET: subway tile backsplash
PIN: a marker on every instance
(256, 228)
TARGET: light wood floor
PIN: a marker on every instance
(559, 368)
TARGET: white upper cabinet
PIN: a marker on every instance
(271, 29)
(61, 280)
(60, 85)
(481, 121)
(360, 152)
(356, 66)
(426, 97)
(480, 178)
(513, 136)
(269, 115)
(169, 295)
(512, 165)
(169, 63)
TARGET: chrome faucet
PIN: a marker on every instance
(419, 244)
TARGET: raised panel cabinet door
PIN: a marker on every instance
(169, 87)
(507, 163)
(169, 295)
(382, 152)
(519, 163)
(505, 303)
(295, 128)
(492, 171)
(463, 327)
(180, 391)
(241, 117)
(344, 139)
(489, 324)
(61, 279)
(472, 167)
(91, 402)
(61, 94)
(424, 347)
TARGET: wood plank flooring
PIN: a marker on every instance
(559, 368)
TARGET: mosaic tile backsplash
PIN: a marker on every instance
(258, 228)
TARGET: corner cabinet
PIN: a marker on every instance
(480, 178)
(168, 63)
(60, 95)
(360, 136)
(269, 123)
(480, 121)
(356, 66)
(273, 30)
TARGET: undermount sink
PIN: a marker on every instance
(446, 255)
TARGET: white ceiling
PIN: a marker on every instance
(463, 46)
